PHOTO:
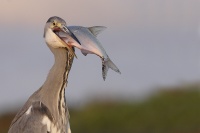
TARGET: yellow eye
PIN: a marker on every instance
(54, 23)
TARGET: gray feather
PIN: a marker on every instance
(32, 123)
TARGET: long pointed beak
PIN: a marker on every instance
(66, 30)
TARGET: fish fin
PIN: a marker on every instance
(106, 64)
(95, 30)
(84, 53)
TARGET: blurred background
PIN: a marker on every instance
(155, 44)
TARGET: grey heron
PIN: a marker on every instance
(46, 110)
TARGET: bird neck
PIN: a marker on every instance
(54, 87)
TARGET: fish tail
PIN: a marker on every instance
(106, 64)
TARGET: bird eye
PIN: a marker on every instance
(54, 23)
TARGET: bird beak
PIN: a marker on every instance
(66, 30)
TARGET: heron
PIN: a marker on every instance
(46, 110)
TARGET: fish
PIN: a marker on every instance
(61, 39)
(85, 39)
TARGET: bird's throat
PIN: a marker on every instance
(54, 86)
(62, 100)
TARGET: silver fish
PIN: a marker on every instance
(84, 38)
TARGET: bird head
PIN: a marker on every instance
(53, 27)
(57, 24)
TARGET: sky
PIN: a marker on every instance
(153, 43)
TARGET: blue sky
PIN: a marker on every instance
(154, 43)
